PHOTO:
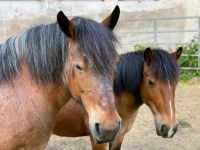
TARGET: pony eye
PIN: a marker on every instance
(78, 67)
(151, 83)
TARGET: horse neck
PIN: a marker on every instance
(128, 80)
(53, 95)
(30, 107)
(127, 104)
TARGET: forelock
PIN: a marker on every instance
(97, 43)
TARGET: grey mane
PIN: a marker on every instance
(44, 48)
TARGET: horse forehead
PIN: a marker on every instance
(165, 83)
(166, 89)
(147, 71)
(75, 50)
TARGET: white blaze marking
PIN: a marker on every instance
(169, 84)
(170, 102)
(170, 105)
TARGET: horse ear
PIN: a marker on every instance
(65, 25)
(111, 21)
(148, 55)
(177, 53)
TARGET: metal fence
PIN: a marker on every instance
(155, 31)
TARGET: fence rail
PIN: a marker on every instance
(155, 33)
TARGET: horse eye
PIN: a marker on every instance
(78, 67)
(151, 83)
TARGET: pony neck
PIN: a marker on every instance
(127, 104)
(53, 93)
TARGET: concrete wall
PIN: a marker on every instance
(18, 15)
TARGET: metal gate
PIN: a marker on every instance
(155, 32)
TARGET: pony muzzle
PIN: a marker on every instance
(101, 134)
(167, 132)
(104, 120)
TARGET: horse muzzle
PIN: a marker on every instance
(102, 134)
(167, 132)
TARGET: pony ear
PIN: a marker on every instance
(177, 53)
(65, 25)
(148, 55)
(111, 21)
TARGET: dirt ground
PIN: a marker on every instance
(143, 135)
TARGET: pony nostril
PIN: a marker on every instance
(164, 130)
(119, 124)
(175, 128)
(117, 128)
(97, 128)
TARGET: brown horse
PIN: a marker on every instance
(43, 67)
(148, 77)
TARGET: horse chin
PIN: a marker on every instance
(164, 136)
(99, 142)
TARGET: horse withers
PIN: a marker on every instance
(41, 68)
(148, 77)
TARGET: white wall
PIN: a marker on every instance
(16, 16)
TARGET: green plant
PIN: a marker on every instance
(184, 124)
(189, 60)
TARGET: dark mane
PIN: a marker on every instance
(91, 36)
(47, 50)
(44, 48)
(164, 66)
(129, 73)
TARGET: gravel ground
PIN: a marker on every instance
(143, 135)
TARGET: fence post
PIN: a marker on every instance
(198, 42)
(155, 31)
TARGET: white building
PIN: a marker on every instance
(18, 15)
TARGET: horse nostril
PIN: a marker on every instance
(175, 128)
(97, 128)
(119, 124)
(117, 128)
(164, 130)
